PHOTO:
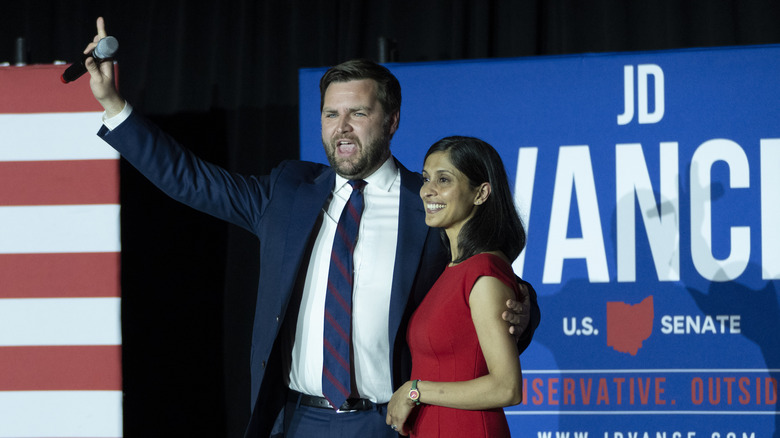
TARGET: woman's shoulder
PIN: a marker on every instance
(492, 264)
(490, 259)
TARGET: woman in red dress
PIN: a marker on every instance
(465, 364)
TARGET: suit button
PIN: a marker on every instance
(277, 318)
(263, 364)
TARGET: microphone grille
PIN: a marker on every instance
(106, 47)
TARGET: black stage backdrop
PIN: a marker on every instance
(221, 76)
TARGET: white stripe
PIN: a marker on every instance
(60, 413)
(58, 229)
(60, 321)
(52, 136)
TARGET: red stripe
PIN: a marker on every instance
(59, 182)
(335, 383)
(338, 264)
(339, 298)
(354, 213)
(66, 275)
(348, 242)
(17, 82)
(66, 368)
(336, 326)
(335, 355)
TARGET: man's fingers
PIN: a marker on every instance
(89, 63)
(525, 294)
(107, 68)
(97, 71)
(91, 46)
(101, 27)
(101, 33)
(93, 68)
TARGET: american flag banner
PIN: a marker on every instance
(60, 331)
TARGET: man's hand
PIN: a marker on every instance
(519, 313)
(399, 408)
(102, 77)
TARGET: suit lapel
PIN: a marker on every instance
(306, 207)
(412, 233)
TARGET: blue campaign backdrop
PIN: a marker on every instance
(649, 183)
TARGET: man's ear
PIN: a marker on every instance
(395, 118)
(483, 193)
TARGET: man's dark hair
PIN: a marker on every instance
(388, 89)
(496, 224)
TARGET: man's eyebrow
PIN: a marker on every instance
(351, 109)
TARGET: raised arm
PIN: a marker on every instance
(169, 165)
(101, 79)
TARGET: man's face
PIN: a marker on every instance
(355, 129)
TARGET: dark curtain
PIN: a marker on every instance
(221, 76)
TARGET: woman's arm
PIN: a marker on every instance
(501, 387)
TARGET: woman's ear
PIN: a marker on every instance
(483, 192)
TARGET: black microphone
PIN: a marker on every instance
(106, 48)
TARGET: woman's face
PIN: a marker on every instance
(448, 199)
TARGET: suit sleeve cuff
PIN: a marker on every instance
(113, 122)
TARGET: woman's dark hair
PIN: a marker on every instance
(388, 89)
(496, 224)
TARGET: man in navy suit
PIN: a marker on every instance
(294, 212)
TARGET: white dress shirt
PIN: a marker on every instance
(112, 122)
(374, 259)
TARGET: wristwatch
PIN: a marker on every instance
(414, 393)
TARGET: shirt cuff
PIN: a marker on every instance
(113, 122)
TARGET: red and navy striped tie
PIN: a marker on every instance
(336, 364)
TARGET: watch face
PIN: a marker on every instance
(414, 394)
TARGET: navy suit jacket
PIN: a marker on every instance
(282, 209)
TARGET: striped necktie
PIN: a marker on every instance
(336, 365)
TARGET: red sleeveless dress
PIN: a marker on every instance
(445, 348)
